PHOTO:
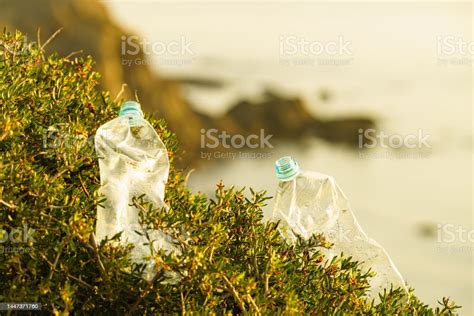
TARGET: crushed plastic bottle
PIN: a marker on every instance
(308, 202)
(133, 161)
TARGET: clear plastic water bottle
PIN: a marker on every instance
(133, 161)
(308, 203)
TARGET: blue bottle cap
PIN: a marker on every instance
(131, 110)
(286, 168)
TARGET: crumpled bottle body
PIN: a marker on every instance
(313, 203)
(133, 161)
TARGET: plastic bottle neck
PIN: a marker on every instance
(132, 111)
(286, 168)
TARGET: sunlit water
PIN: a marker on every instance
(394, 70)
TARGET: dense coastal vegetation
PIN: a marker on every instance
(231, 261)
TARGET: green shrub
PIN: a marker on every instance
(231, 261)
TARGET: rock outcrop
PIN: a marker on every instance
(287, 118)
